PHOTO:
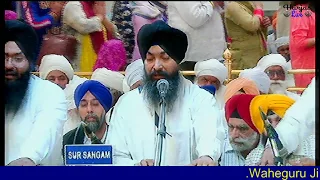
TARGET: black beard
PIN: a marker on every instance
(151, 93)
(15, 91)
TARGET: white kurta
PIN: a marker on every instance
(194, 124)
(299, 120)
(36, 130)
(203, 25)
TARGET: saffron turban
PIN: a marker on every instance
(98, 90)
(259, 77)
(210, 88)
(110, 79)
(173, 41)
(277, 103)
(25, 37)
(235, 85)
(211, 67)
(241, 104)
(53, 62)
(134, 72)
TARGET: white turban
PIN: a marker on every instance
(53, 62)
(134, 72)
(282, 41)
(211, 67)
(70, 88)
(110, 79)
(273, 60)
(260, 78)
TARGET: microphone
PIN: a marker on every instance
(162, 86)
(94, 139)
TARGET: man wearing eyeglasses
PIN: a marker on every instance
(276, 67)
(35, 109)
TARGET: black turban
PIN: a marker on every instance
(173, 41)
(25, 37)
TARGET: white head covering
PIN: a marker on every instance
(134, 72)
(125, 86)
(53, 62)
(260, 78)
(110, 79)
(273, 60)
(282, 41)
(70, 88)
(211, 67)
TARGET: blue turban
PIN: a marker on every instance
(210, 88)
(101, 92)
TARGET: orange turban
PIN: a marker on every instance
(235, 85)
(277, 103)
(241, 104)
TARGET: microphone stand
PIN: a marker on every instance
(161, 133)
(280, 153)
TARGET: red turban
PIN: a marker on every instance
(241, 104)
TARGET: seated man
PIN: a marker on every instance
(212, 72)
(193, 121)
(134, 74)
(93, 101)
(246, 125)
(57, 69)
(276, 68)
(243, 134)
(35, 110)
(258, 77)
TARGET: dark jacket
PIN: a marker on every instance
(72, 138)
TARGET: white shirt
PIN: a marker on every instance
(299, 121)
(87, 140)
(203, 26)
(36, 130)
(231, 157)
(194, 124)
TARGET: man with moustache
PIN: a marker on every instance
(193, 122)
(243, 134)
(35, 109)
(275, 65)
(93, 101)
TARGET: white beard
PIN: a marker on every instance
(278, 87)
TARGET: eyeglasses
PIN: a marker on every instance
(274, 73)
(16, 61)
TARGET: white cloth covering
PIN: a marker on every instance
(194, 125)
(260, 78)
(35, 131)
(134, 72)
(110, 79)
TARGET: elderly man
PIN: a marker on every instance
(57, 69)
(258, 77)
(198, 19)
(246, 125)
(297, 124)
(193, 122)
(134, 74)
(93, 101)
(282, 45)
(276, 68)
(35, 110)
(212, 72)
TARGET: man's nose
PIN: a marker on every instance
(158, 65)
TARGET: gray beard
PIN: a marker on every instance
(152, 95)
(97, 124)
(278, 87)
(246, 144)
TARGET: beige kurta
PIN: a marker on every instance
(283, 22)
(245, 31)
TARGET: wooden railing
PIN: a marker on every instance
(236, 72)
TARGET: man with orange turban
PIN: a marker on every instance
(246, 125)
